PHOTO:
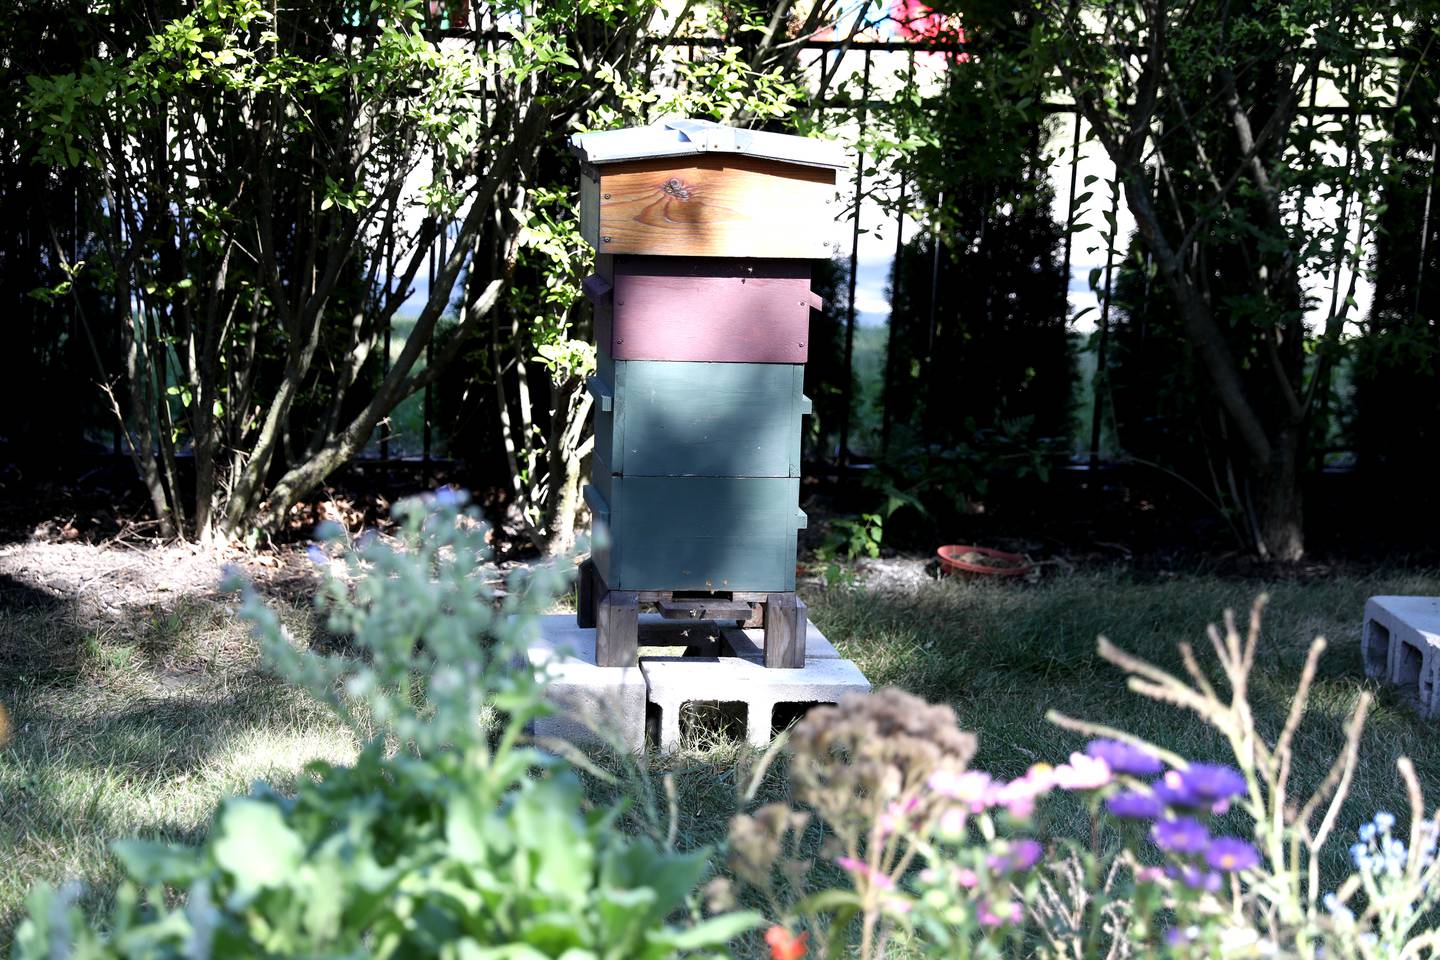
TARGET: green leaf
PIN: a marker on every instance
(256, 847)
(717, 931)
(152, 863)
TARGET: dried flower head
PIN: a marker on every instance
(851, 761)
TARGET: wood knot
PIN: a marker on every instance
(676, 188)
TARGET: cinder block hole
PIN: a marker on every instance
(652, 726)
(1376, 648)
(786, 715)
(707, 722)
(1407, 669)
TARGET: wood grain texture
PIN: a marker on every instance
(603, 313)
(712, 309)
(585, 595)
(784, 632)
(597, 495)
(698, 609)
(590, 207)
(713, 205)
(701, 533)
(617, 629)
(686, 418)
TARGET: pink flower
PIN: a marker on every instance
(966, 878)
(1018, 796)
(968, 787)
(998, 914)
(1041, 776)
(952, 821)
(897, 815)
(1082, 773)
(865, 870)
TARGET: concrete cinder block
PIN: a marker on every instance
(699, 662)
(674, 682)
(588, 699)
(1400, 644)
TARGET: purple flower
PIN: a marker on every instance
(1171, 791)
(1124, 757)
(1180, 835)
(1230, 854)
(1134, 805)
(1180, 936)
(1194, 877)
(316, 555)
(1023, 855)
(1213, 781)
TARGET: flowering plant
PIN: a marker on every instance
(949, 859)
(449, 836)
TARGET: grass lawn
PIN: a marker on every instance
(138, 727)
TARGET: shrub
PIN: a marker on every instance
(946, 859)
(448, 836)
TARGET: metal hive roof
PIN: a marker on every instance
(683, 136)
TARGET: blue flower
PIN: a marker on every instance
(1384, 820)
(1337, 909)
(1231, 854)
(1134, 805)
(1180, 835)
(1213, 781)
(316, 555)
(1172, 792)
(1194, 877)
(450, 496)
(1124, 757)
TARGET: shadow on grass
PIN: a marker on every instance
(134, 721)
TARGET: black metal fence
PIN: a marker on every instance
(824, 63)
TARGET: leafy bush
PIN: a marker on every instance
(447, 837)
(948, 860)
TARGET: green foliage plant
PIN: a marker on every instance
(1185, 859)
(449, 836)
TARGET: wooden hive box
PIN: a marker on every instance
(720, 310)
(695, 188)
(702, 304)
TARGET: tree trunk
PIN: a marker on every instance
(1281, 536)
(564, 500)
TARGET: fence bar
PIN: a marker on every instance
(1070, 205)
(1101, 380)
(895, 272)
(847, 391)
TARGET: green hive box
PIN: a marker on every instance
(695, 476)
(695, 533)
(660, 418)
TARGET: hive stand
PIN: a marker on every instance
(685, 667)
(1400, 645)
(615, 615)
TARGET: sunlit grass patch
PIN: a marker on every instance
(135, 726)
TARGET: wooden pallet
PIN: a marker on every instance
(615, 617)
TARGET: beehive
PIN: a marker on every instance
(705, 237)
